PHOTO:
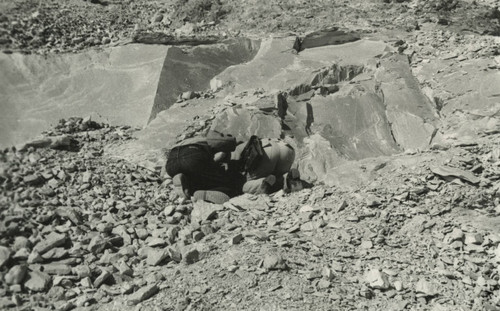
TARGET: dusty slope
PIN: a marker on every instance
(80, 230)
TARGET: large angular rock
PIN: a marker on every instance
(37, 281)
(156, 256)
(36, 88)
(51, 241)
(446, 171)
(197, 68)
(243, 123)
(203, 211)
(412, 116)
(143, 294)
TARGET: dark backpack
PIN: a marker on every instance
(252, 154)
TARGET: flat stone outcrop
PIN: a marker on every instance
(191, 69)
(117, 84)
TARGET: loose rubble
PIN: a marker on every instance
(82, 230)
(95, 230)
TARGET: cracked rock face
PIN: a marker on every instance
(345, 102)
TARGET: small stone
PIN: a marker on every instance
(51, 241)
(34, 257)
(327, 273)
(16, 275)
(169, 210)
(22, 254)
(37, 281)
(4, 255)
(105, 274)
(64, 305)
(352, 218)
(57, 269)
(324, 284)
(340, 207)
(426, 288)
(366, 244)
(191, 256)
(310, 226)
(143, 294)
(141, 233)
(125, 269)
(474, 238)
(236, 239)
(156, 256)
(156, 242)
(16, 288)
(456, 235)
(97, 245)
(56, 293)
(377, 279)
(105, 227)
(372, 200)
(274, 262)
(55, 253)
(398, 285)
(86, 282)
(198, 235)
(82, 271)
(174, 254)
(33, 180)
(457, 245)
(21, 242)
(188, 95)
(306, 209)
(86, 177)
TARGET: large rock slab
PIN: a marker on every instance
(329, 36)
(412, 116)
(277, 66)
(466, 94)
(118, 84)
(191, 69)
(243, 123)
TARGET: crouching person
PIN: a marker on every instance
(267, 164)
(195, 166)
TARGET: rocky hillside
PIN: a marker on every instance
(395, 119)
(81, 230)
(53, 26)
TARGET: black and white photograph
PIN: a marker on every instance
(268, 155)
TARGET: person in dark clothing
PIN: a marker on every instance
(195, 166)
